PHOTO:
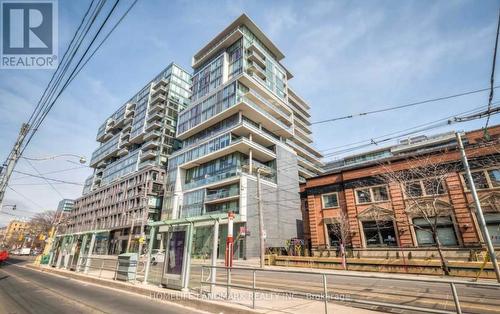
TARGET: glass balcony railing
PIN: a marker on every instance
(225, 174)
(221, 194)
(249, 122)
(252, 104)
(269, 104)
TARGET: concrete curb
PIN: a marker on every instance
(185, 299)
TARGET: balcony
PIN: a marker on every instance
(220, 178)
(153, 126)
(154, 117)
(122, 152)
(148, 154)
(159, 89)
(309, 165)
(306, 173)
(158, 99)
(302, 151)
(257, 58)
(242, 145)
(224, 42)
(283, 114)
(147, 163)
(254, 68)
(152, 135)
(252, 110)
(221, 195)
(150, 144)
(306, 137)
(160, 83)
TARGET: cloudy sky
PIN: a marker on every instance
(346, 56)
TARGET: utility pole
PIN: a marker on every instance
(261, 221)
(479, 211)
(7, 168)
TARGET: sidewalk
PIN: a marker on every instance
(240, 301)
(255, 263)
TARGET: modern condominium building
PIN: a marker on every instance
(243, 120)
(65, 206)
(127, 186)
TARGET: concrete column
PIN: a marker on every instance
(152, 234)
(89, 253)
(82, 252)
(250, 161)
(213, 261)
(61, 250)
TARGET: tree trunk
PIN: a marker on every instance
(444, 263)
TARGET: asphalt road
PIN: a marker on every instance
(23, 290)
(418, 294)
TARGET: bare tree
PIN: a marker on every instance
(341, 230)
(43, 222)
(423, 181)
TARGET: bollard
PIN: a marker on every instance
(201, 282)
(253, 291)
(325, 291)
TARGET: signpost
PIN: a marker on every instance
(229, 240)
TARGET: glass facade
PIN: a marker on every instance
(206, 109)
(208, 78)
(275, 74)
(174, 84)
(120, 168)
(106, 149)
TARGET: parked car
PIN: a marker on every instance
(4, 255)
(25, 251)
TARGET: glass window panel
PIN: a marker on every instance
(379, 233)
(414, 189)
(330, 200)
(363, 196)
(434, 187)
(479, 179)
(447, 236)
(494, 175)
(380, 193)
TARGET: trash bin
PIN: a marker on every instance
(127, 267)
(45, 259)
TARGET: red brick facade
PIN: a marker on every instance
(395, 206)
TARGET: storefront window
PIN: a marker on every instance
(379, 233)
(493, 225)
(445, 231)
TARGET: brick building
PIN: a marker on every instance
(381, 214)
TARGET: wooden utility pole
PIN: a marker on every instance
(7, 168)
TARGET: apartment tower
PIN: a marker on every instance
(243, 120)
(127, 186)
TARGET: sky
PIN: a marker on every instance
(346, 57)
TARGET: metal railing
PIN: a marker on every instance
(109, 268)
(212, 282)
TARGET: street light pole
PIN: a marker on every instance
(479, 211)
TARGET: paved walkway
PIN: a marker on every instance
(239, 302)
